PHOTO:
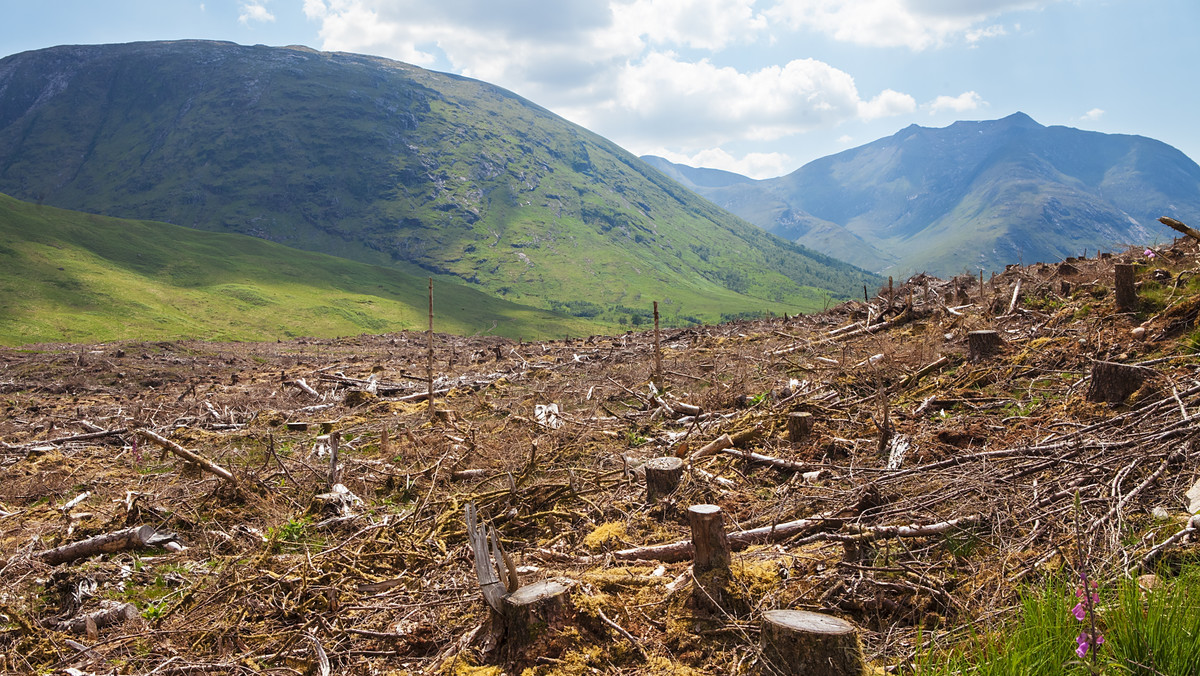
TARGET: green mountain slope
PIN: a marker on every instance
(390, 164)
(69, 276)
(974, 195)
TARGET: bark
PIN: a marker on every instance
(1112, 382)
(983, 345)
(803, 643)
(662, 477)
(128, 538)
(1126, 293)
(709, 544)
(188, 455)
(799, 426)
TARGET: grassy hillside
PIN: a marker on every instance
(67, 276)
(389, 164)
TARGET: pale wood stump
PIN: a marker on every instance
(803, 643)
(662, 477)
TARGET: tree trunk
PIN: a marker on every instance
(1127, 300)
(118, 613)
(711, 547)
(983, 345)
(799, 426)
(662, 477)
(128, 538)
(803, 643)
(533, 616)
(1112, 382)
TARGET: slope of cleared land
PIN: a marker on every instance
(933, 487)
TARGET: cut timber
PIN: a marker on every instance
(1126, 293)
(713, 447)
(188, 455)
(128, 538)
(710, 546)
(983, 345)
(803, 643)
(1112, 382)
(1176, 225)
(662, 477)
(115, 614)
(799, 426)
(533, 616)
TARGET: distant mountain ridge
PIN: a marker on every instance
(973, 195)
(386, 163)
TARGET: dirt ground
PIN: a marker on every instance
(934, 482)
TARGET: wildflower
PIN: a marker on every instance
(1148, 253)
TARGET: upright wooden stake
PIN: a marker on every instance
(1127, 300)
(429, 365)
(658, 377)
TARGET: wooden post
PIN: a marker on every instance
(1112, 382)
(658, 376)
(662, 477)
(429, 364)
(803, 643)
(708, 539)
(1127, 300)
(335, 440)
(982, 345)
(128, 538)
(799, 426)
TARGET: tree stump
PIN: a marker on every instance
(708, 539)
(662, 477)
(1112, 383)
(1127, 300)
(799, 426)
(533, 616)
(982, 345)
(803, 643)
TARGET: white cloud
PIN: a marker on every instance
(964, 102)
(1093, 115)
(887, 104)
(915, 24)
(255, 11)
(699, 24)
(754, 165)
(976, 35)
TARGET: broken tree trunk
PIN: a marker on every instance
(1112, 382)
(713, 447)
(128, 538)
(188, 455)
(983, 345)
(799, 426)
(1176, 225)
(532, 617)
(710, 546)
(115, 614)
(662, 477)
(1126, 293)
(803, 643)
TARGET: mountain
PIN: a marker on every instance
(389, 164)
(974, 195)
(70, 276)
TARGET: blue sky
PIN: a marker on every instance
(754, 86)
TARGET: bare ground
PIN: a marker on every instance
(935, 486)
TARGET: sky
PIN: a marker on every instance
(759, 87)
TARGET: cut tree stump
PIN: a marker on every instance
(983, 345)
(128, 538)
(803, 643)
(1112, 382)
(533, 616)
(662, 477)
(1126, 293)
(711, 546)
(799, 426)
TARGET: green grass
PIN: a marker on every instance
(68, 276)
(1146, 634)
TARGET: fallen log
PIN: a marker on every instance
(127, 538)
(1176, 225)
(114, 614)
(188, 455)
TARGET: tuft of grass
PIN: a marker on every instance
(1147, 633)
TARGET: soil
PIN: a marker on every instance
(940, 485)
